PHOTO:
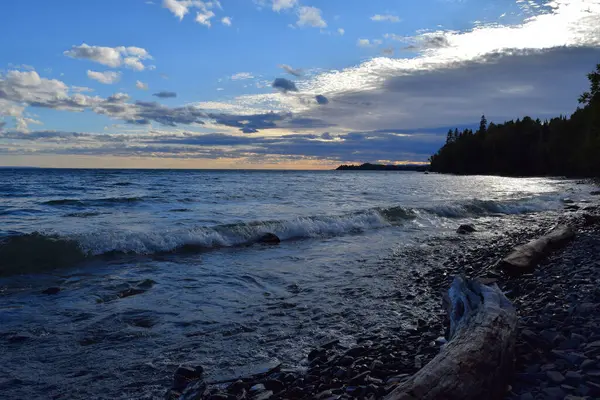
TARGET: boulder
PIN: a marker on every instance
(185, 374)
(465, 228)
(52, 290)
(269, 238)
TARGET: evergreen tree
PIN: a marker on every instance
(561, 146)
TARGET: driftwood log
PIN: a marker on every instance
(477, 361)
(524, 258)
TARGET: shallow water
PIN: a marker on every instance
(183, 244)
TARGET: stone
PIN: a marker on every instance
(572, 357)
(465, 229)
(360, 378)
(317, 353)
(587, 364)
(274, 385)
(573, 377)
(346, 361)
(526, 396)
(554, 393)
(269, 238)
(51, 290)
(267, 394)
(593, 345)
(186, 374)
(555, 376)
(130, 292)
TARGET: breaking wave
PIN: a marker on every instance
(36, 251)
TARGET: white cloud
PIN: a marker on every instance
(81, 89)
(106, 77)
(385, 17)
(141, 85)
(341, 31)
(279, 5)
(368, 95)
(368, 43)
(21, 88)
(241, 76)
(179, 8)
(310, 16)
(203, 17)
(226, 21)
(130, 57)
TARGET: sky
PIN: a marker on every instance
(290, 84)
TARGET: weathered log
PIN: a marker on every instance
(524, 258)
(478, 359)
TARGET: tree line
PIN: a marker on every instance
(567, 146)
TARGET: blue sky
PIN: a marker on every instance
(277, 83)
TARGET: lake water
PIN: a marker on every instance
(158, 268)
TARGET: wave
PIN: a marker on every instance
(93, 202)
(37, 251)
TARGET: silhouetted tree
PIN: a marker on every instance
(560, 146)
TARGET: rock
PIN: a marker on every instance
(465, 228)
(573, 377)
(568, 201)
(317, 353)
(274, 385)
(595, 193)
(588, 364)
(527, 396)
(572, 207)
(595, 344)
(218, 396)
(346, 361)
(330, 344)
(554, 393)
(52, 290)
(360, 378)
(130, 292)
(555, 376)
(269, 238)
(186, 374)
(573, 358)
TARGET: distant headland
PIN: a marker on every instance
(382, 167)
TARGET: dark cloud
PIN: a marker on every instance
(170, 116)
(285, 85)
(250, 123)
(503, 85)
(321, 99)
(165, 95)
(290, 70)
(355, 146)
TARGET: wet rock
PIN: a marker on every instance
(465, 229)
(554, 393)
(269, 238)
(555, 376)
(130, 292)
(573, 377)
(184, 375)
(526, 396)
(51, 290)
(346, 361)
(588, 364)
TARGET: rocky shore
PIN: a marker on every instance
(557, 352)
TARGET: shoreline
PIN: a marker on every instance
(376, 364)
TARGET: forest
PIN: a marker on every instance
(562, 146)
